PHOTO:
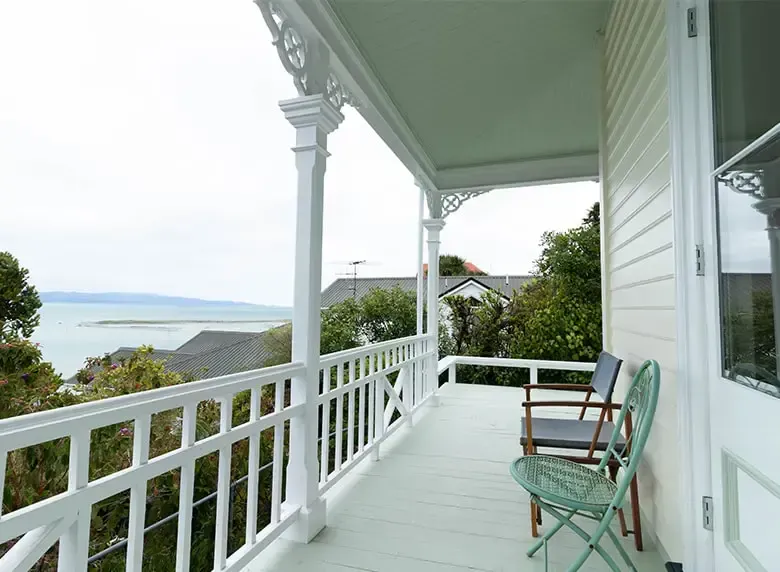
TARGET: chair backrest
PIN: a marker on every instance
(605, 375)
(636, 415)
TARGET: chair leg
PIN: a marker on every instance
(534, 525)
(538, 510)
(621, 550)
(613, 473)
(592, 540)
(549, 534)
(637, 521)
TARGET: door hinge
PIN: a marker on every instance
(692, 23)
(706, 512)
(699, 260)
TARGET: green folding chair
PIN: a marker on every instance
(565, 489)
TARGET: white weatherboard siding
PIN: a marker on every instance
(639, 254)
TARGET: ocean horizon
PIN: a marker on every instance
(69, 333)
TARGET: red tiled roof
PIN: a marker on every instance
(469, 266)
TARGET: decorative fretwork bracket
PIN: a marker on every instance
(451, 202)
(744, 182)
(300, 60)
(443, 204)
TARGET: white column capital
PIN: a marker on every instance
(312, 111)
(434, 227)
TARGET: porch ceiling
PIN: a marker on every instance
(478, 92)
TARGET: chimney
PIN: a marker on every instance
(507, 280)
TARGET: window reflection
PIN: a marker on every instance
(745, 44)
(748, 197)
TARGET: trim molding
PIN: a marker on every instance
(540, 171)
(690, 131)
(732, 463)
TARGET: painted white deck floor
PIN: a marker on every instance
(440, 500)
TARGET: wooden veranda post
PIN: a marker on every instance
(313, 117)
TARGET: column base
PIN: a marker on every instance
(310, 522)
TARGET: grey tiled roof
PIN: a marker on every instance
(342, 288)
(208, 340)
(209, 354)
(242, 355)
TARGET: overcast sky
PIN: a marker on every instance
(142, 150)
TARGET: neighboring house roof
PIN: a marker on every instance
(208, 340)
(210, 353)
(242, 355)
(345, 288)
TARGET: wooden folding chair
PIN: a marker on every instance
(579, 434)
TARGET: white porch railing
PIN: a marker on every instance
(66, 516)
(365, 394)
(450, 364)
(359, 377)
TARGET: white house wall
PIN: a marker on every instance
(639, 256)
(469, 290)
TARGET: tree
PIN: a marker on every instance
(19, 301)
(453, 265)
(387, 314)
(557, 316)
(571, 260)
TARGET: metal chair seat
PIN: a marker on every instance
(564, 482)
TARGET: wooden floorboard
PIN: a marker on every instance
(439, 500)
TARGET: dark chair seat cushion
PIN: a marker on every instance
(568, 433)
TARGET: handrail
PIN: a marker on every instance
(516, 363)
(192, 390)
(450, 364)
(343, 355)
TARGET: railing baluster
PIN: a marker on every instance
(325, 430)
(406, 391)
(370, 404)
(223, 486)
(135, 531)
(362, 407)
(534, 374)
(379, 415)
(278, 461)
(419, 379)
(74, 544)
(253, 478)
(3, 465)
(186, 490)
(351, 413)
(339, 417)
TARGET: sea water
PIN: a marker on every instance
(69, 333)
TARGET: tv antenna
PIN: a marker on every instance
(353, 272)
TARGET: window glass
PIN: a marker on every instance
(748, 199)
(746, 72)
(746, 90)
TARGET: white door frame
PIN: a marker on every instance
(691, 127)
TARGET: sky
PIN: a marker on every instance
(142, 149)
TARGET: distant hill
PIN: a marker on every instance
(138, 300)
